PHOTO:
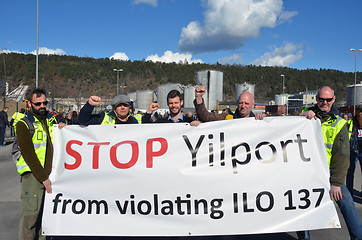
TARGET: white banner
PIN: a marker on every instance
(242, 176)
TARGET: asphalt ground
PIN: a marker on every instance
(10, 209)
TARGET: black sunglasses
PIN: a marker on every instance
(39, 103)
(325, 99)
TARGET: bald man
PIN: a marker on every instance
(336, 141)
(245, 105)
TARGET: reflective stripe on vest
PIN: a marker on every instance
(39, 141)
(330, 129)
(17, 116)
(108, 120)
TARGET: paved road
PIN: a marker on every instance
(10, 209)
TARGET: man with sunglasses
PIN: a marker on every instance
(120, 113)
(35, 163)
(336, 139)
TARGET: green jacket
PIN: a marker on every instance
(336, 138)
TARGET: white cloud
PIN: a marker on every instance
(151, 2)
(236, 58)
(47, 51)
(229, 23)
(283, 56)
(119, 56)
(6, 51)
(169, 57)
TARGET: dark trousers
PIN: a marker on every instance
(2, 134)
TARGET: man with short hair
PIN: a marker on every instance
(335, 134)
(174, 102)
(35, 163)
(120, 114)
(245, 105)
(4, 122)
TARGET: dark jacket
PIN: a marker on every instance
(4, 121)
(147, 119)
(340, 151)
(353, 144)
(86, 117)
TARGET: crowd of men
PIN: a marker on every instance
(34, 131)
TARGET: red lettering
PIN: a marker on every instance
(150, 153)
(96, 145)
(132, 161)
(73, 153)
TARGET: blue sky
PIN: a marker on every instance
(296, 33)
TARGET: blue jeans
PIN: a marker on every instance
(350, 214)
(353, 158)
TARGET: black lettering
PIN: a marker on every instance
(236, 161)
(299, 140)
(284, 149)
(122, 209)
(245, 203)
(168, 209)
(56, 201)
(82, 206)
(211, 151)
(193, 151)
(235, 201)
(258, 201)
(215, 212)
(148, 207)
(197, 205)
(222, 149)
(65, 202)
(98, 206)
(257, 153)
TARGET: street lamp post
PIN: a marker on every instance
(37, 46)
(283, 81)
(118, 70)
(355, 79)
(282, 75)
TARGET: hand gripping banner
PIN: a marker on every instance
(241, 176)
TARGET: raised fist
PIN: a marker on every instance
(153, 107)
(94, 100)
(199, 91)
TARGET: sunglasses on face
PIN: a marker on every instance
(325, 99)
(40, 103)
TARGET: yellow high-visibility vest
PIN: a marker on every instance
(39, 140)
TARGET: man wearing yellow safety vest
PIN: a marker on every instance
(335, 134)
(120, 113)
(355, 131)
(35, 163)
(15, 118)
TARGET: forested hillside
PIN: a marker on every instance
(70, 76)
